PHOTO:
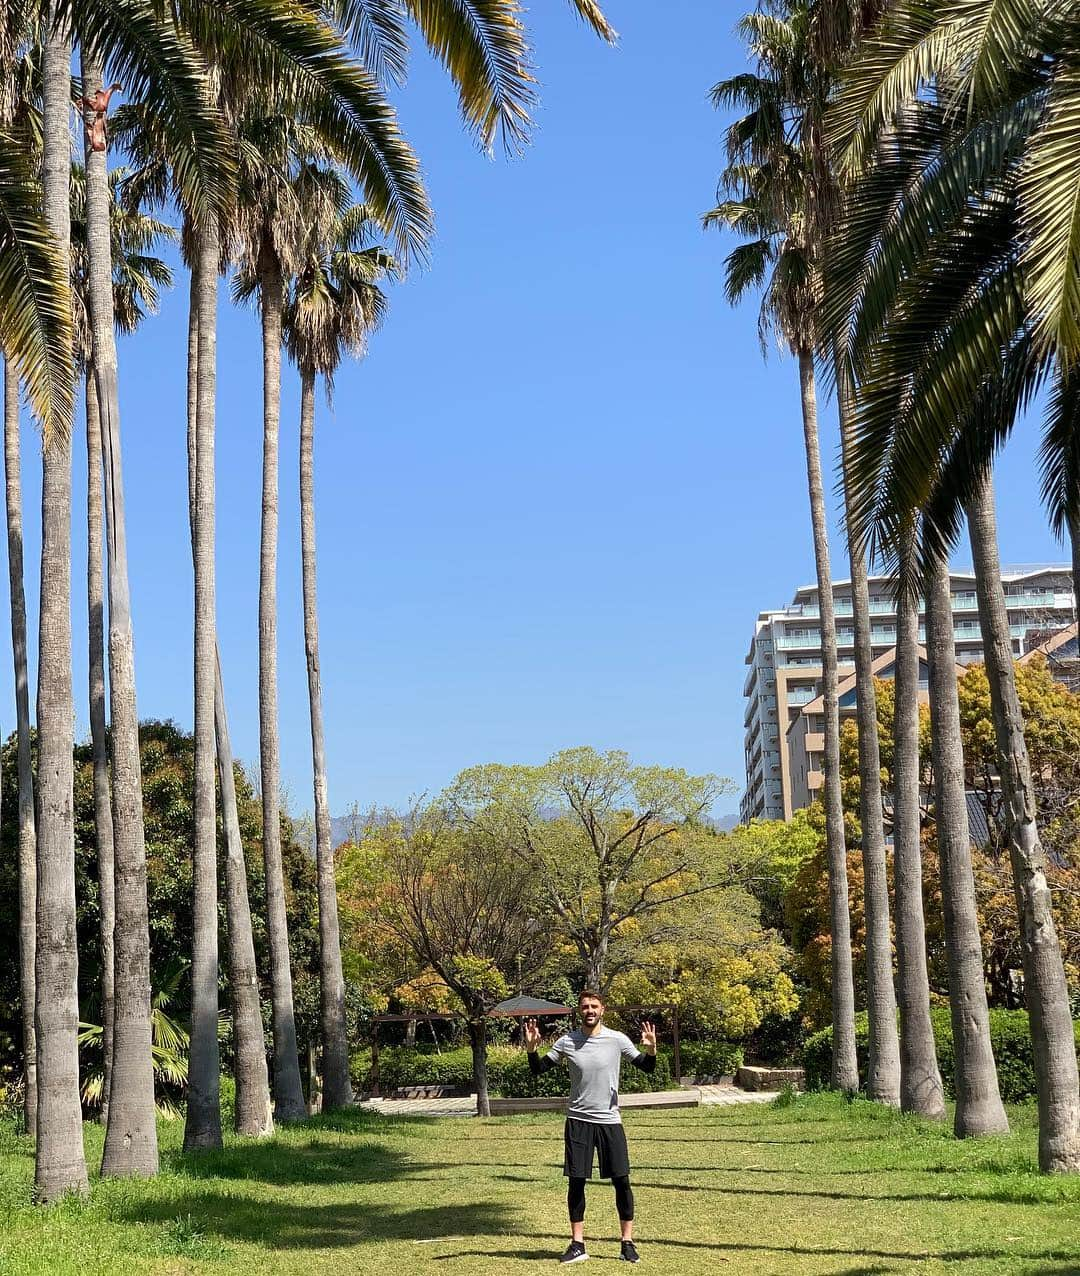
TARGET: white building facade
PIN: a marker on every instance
(784, 661)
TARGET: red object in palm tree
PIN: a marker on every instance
(99, 104)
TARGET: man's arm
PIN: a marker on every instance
(537, 1065)
(645, 1061)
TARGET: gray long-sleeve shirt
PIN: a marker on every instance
(595, 1060)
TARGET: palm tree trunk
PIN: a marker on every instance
(103, 822)
(845, 1068)
(978, 1102)
(337, 1087)
(1045, 986)
(131, 1137)
(883, 1071)
(288, 1090)
(921, 1089)
(253, 1114)
(203, 1127)
(1074, 550)
(60, 1162)
(27, 833)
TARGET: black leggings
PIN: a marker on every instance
(624, 1199)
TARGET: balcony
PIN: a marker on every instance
(1031, 598)
(842, 607)
(785, 640)
(800, 695)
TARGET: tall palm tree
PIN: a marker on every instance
(35, 336)
(764, 194)
(27, 836)
(978, 1102)
(269, 228)
(253, 1110)
(131, 1133)
(1046, 989)
(60, 1160)
(137, 277)
(969, 302)
(921, 1089)
(335, 303)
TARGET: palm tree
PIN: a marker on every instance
(336, 302)
(35, 335)
(60, 1161)
(27, 836)
(921, 1090)
(1045, 986)
(959, 133)
(253, 1112)
(270, 226)
(136, 280)
(763, 197)
(978, 1103)
(131, 1134)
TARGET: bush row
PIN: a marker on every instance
(509, 1075)
(1010, 1038)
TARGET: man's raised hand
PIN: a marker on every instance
(532, 1035)
(648, 1036)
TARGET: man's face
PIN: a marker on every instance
(591, 1010)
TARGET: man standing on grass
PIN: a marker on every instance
(593, 1122)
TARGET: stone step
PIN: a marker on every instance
(759, 1078)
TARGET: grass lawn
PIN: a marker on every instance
(822, 1188)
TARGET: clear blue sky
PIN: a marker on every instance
(559, 489)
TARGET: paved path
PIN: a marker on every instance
(711, 1096)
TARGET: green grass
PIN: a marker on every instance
(816, 1188)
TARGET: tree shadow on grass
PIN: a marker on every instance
(278, 1225)
(996, 1196)
(805, 1251)
(290, 1165)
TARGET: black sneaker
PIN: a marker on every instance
(629, 1253)
(575, 1253)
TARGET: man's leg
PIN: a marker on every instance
(575, 1203)
(624, 1204)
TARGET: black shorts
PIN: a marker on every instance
(582, 1138)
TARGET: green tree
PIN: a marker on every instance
(612, 843)
(466, 907)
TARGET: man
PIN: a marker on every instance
(594, 1055)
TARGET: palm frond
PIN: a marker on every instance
(1059, 455)
(482, 45)
(35, 300)
(377, 35)
(590, 11)
(1050, 211)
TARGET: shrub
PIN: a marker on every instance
(710, 1058)
(1010, 1039)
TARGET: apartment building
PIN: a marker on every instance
(784, 668)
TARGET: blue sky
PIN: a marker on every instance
(559, 489)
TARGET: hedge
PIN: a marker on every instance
(1010, 1038)
(509, 1075)
(710, 1058)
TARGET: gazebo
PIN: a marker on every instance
(528, 1008)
